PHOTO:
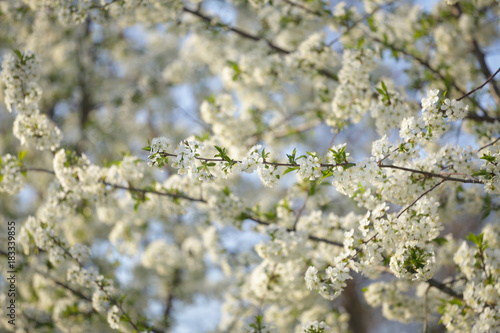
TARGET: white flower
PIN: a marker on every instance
(314, 327)
(114, 317)
(268, 175)
(311, 277)
(159, 145)
(309, 167)
(100, 301)
(252, 160)
(429, 102)
(11, 179)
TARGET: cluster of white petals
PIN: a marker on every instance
(353, 96)
(11, 179)
(20, 74)
(405, 90)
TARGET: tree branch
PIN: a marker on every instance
(420, 197)
(444, 288)
(426, 64)
(252, 37)
(313, 238)
(129, 188)
(490, 78)
(489, 144)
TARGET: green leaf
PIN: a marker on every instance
(371, 23)
(290, 170)
(487, 207)
(291, 158)
(326, 174)
(361, 42)
(488, 158)
(440, 240)
(482, 173)
(203, 137)
(18, 54)
(383, 86)
(21, 155)
(475, 239)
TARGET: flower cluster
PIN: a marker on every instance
(310, 167)
(479, 265)
(252, 160)
(41, 235)
(114, 317)
(227, 124)
(283, 246)
(77, 174)
(353, 96)
(489, 172)
(11, 180)
(315, 327)
(22, 94)
(435, 118)
(312, 53)
(156, 148)
(334, 282)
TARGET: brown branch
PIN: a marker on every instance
(490, 78)
(298, 5)
(485, 118)
(426, 64)
(345, 164)
(489, 144)
(129, 188)
(300, 211)
(143, 191)
(73, 291)
(238, 31)
(424, 329)
(252, 37)
(431, 174)
(38, 170)
(447, 290)
(313, 238)
(171, 296)
(481, 58)
(355, 23)
(420, 197)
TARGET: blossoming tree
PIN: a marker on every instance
(304, 162)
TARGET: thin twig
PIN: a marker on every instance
(250, 36)
(345, 164)
(424, 330)
(313, 238)
(300, 211)
(298, 5)
(489, 144)
(420, 197)
(427, 65)
(447, 290)
(355, 23)
(481, 86)
(431, 174)
(130, 188)
(166, 194)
